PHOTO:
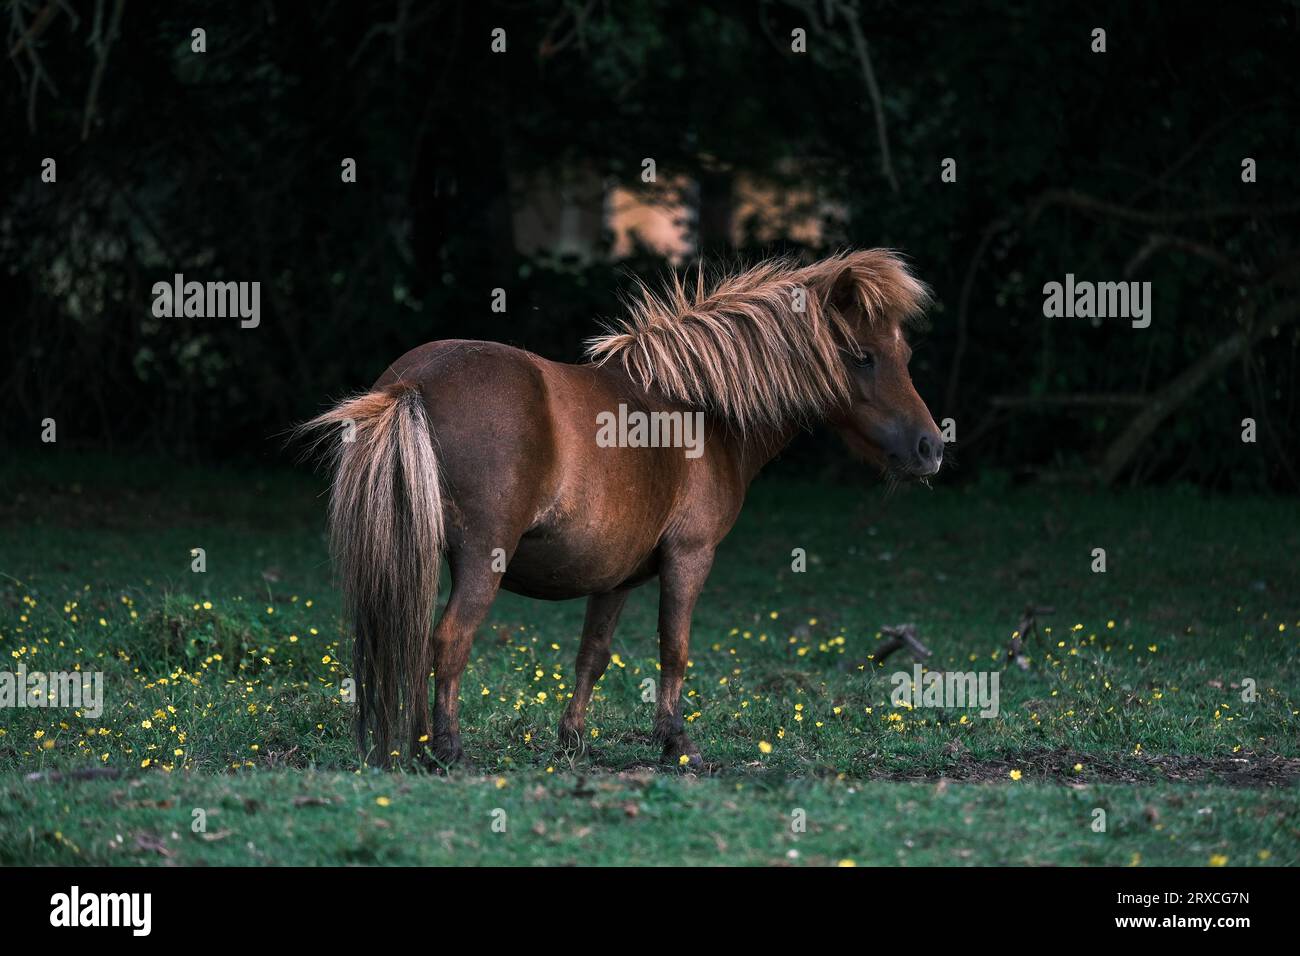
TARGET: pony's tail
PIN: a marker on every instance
(386, 538)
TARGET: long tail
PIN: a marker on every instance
(386, 538)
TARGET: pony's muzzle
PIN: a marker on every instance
(929, 453)
(920, 456)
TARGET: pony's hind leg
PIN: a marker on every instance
(682, 576)
(474, 587)
(593, 657)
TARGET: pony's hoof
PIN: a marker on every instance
(570, 738)
(681, 753)
(446, 752)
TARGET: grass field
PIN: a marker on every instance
(222, 702)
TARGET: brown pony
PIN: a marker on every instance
(494, 456)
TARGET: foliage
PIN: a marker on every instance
(225, 165)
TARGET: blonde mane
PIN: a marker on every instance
(740, 348)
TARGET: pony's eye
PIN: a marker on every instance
(865, 360)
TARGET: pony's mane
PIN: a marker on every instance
(738, 346)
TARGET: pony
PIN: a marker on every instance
(488, 456)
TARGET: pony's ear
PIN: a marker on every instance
(842, 290)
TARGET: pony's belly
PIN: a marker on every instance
(553, 570)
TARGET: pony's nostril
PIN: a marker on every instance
(929, 449)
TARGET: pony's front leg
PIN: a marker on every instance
(474, 587)
(681, 577)
(593, 657)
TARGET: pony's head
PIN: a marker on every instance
(883, 420)
(784, 344)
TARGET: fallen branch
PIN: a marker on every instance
(900, 636)
(1028, 628)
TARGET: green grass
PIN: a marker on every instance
(525, 818)
(222, 688)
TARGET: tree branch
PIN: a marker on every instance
(963, 311)
(39, 25)
(873, 90)
(1163, 403)
(1102, 207)
(1158, 241)
(102, 43)
(1072, 400)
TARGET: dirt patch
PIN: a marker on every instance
(957, 765)
(1059, 766)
